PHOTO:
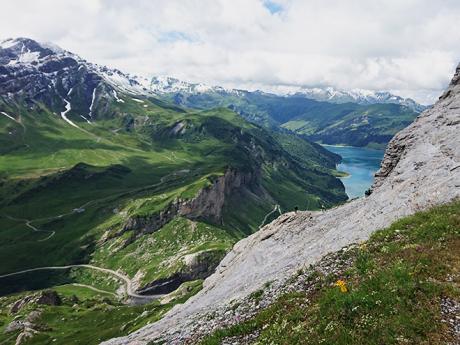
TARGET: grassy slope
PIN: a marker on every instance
(162, 253)
(348, 123)
(395, 286)
(85, 316)
(366, 126)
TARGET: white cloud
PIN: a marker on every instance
(410, 46)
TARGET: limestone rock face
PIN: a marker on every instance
(421, 168)
(207, 204)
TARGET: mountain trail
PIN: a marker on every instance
(275, 209)
(94, 289)
(127, 281)
(35, 229)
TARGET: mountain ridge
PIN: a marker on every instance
(371, 123)
(73, 87)
(164, 84)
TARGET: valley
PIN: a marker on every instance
(124, 203)
(351, 119)
(111, 197)
(375, 270)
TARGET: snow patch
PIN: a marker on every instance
(85, 119)
(53, 47)
(8, 116)
(29, 57)
(92, 103)
(123, 82)
(64, 113)
(137, 100)
(119, 100)
(8, 43)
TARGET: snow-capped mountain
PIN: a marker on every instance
(360, 96)
(42, 72)
(165, 85)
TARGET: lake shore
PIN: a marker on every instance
(360, 165)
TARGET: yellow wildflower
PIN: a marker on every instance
(342, 285)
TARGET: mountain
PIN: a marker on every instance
(420, 170)
(359, 96)
(164, 85)
(324, 115)
(111, 196)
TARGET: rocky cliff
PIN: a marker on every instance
(421, 168)
(207, 204)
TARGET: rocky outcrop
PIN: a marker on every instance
(197, 266)
(28, 327)
(207, 204)
(405, 140)
(47, 297)
(421, 169)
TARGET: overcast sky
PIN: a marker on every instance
(410, 47)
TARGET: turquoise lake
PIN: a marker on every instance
(361, 163)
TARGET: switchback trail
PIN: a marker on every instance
(29, 225)
(276, 208)
(128, 283)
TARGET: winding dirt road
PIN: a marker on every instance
(29, 225)
(276, 208)
(128, 283)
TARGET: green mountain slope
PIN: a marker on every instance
(330, 123)
(416, 257)
(114, 194)
(109, 190)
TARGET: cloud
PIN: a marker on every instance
(409, 47)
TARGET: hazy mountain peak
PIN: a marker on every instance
(360, 96)
(164, 85)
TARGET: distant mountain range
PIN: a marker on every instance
(355, 118)
(164, 85)
(360, 96)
